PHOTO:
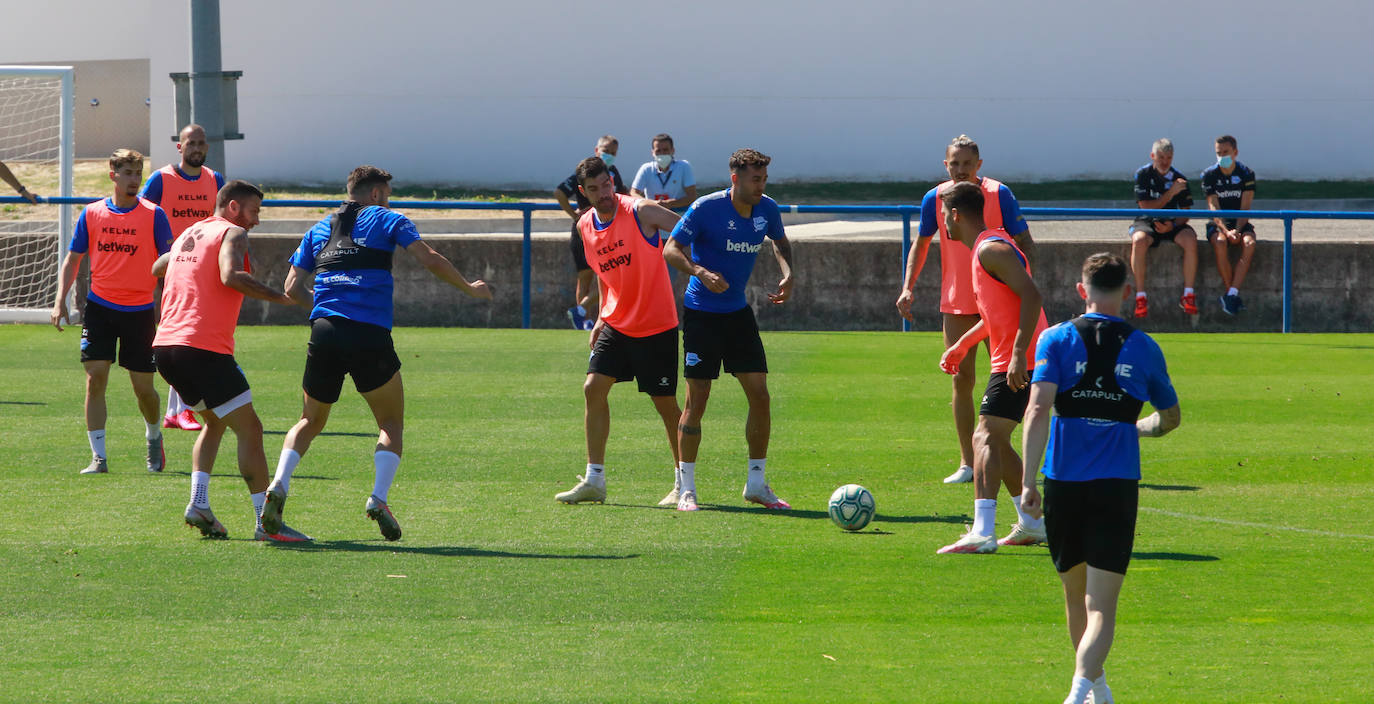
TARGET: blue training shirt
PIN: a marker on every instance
(360, 295)
(1081, 449)
(725, 242)
(1012, 220)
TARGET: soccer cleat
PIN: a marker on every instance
(1101, 694)
(204, 520)
(186, 420)
(584, 491)
(98, 465)
(970, 544)
(170, 422)
(378, 511)
(1142, 307)
(1188, 302)
(157, 458)
(765, 497)
(672, 497)
(688, 501)
(284, 534)
(271, 511)
(1021, 535)
(963, 475)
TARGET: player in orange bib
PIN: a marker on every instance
(206, 276)
(124, 236)
(635, 336)
(1011, 319)
(186, 192)
(958, 309)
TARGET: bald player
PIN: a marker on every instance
(186, 193)
(206, 276)
(1011, 319)
(635, 335)
(124, 235)
(958, 309)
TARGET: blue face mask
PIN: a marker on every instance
(1225, 162)
(608, 158)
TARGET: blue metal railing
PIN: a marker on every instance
(906, 212)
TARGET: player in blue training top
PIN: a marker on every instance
(1096, 371)
(349, 256)
(1230, 185)
(724, 232)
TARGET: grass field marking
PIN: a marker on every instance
(1251, 524)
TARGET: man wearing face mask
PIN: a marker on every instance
(666, 180)
(1230, 185)
(586, 292)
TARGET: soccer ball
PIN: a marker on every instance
(852, 507)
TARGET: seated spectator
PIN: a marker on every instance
(1158, 186)
(1230, 185)
(586, 292)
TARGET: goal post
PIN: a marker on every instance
(36, 139)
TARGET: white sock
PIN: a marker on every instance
(1139, 294)
(757, 467)
(1187, 290)
(153, 430)
(687, 477)
(596, 474)
(200, 489)
(1233, 291)
(286, 464)
(1078, 694)
(984, 517)
(1024, 518)
(386, 463)
(97, 439)
(174, 403)
(259, 502)
(1101, 692)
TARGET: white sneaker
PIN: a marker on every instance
(765, 497)
(672, 498)
(1021, 535)
(584, 491)
(688, 501)
(963, 475)
(970, 544)
(1101, 694)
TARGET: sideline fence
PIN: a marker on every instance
(905, 212)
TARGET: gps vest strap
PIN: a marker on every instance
(341, 253)
(1097, 394)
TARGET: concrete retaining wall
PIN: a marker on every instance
(851, 284)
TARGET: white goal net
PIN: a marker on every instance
(36, 144)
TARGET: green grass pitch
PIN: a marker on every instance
(1250, 581)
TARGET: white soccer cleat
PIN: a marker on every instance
(1021, 535)
(688, 501)
(584, 492)
(963, 475)
(672, 498)
(765, 497)
(970, 544)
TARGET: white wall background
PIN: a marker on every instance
(515, 92)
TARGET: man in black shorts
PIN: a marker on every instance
(205, 279)
(586, 292)
(1230, 185)
(1095, 372)
(124, 235)
(1159, 186)
(348, 256)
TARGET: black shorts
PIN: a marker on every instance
(1000, 401)
(339, 347)
(1249, 228)
(1092, 522)
(710, 339)
(203, 379)
(652, 360)
(1146, 225)
(133, 330)
(579, 250)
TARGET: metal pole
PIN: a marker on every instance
(526, 255)
(1288, 274)
(206, 81)
(906, 248)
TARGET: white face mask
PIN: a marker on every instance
(663, 160)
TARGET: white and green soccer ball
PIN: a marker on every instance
(852, 507)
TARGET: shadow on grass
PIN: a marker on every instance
(806, 513)
(1174, 556)
(326, 433)
(436, 551)
(956, 520)
(22, 403)
(235, 475)
(1169, 487)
